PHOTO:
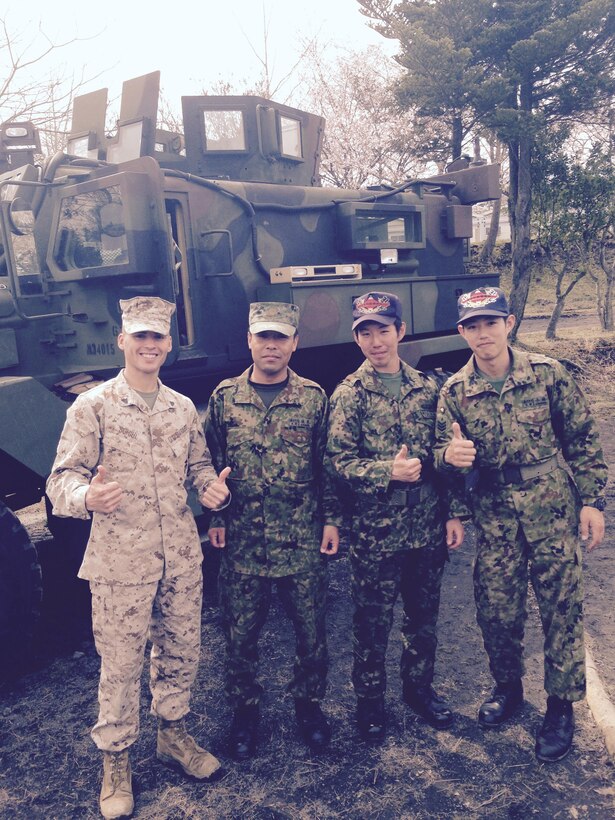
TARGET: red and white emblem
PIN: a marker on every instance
(479, 298)
(373, 304)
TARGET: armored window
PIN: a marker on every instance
(224, 130)
(91, 230)
(367, 226)
(290, 134)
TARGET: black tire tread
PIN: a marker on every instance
(21, 589)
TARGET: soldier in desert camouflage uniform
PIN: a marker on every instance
(381, 434)
(126, 450)
(507, 415)
(269, 426)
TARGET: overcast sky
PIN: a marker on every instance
(195, 43)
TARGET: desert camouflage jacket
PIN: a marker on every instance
(367, 427)
(281, 494)
(540, 412)
(150, 453)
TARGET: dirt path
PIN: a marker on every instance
(50, 769)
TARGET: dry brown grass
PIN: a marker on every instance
(591, 354)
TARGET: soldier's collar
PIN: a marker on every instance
(520, 373)
(371, 381)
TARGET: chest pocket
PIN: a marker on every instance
(534, 424)
(421, 426)
(179, 448)
(242, 453)
(123, 447)
(122, 460)
(480, 427)
(297, 455)
(380, 434)
(485, 432)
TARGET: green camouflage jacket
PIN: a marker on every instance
(367, 427)
(540, 412)
(281, 495)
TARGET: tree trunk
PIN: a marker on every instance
(489, 244)
(521, 189)
(609, 272)
(456, 136)
(555, 317)
(608, 304)
(600, 299)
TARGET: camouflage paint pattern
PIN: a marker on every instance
(394, 549)
(244, 603)
(540, 412)
(123, 618)
(150, 453)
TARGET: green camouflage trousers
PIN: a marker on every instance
(500, 591)
(416, 574)
(123, 617)
(244, 603)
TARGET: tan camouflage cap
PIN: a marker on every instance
(278, 316)
(146, 313)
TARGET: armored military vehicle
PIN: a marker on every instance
(228, 212)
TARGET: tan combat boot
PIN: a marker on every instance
(175, 746)
(116, 793)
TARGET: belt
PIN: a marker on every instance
(517, 475)
(409, 498)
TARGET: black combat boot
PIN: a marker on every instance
(312, 723)
(242, 737)
(504, 700)
(371, 719)
(554, 739)
(428, 704)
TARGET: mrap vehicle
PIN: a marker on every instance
(226, 213)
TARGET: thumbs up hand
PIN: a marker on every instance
(103, 496)
(404, 468)
(217, 492)
(460, 452)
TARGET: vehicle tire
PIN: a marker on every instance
(68, 596)
(21, 591)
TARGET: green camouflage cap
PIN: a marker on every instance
(278, 316)
(146, 313)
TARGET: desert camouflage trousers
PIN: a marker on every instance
(504, 558)
(168, 612)
(245, 602)
(377, 582)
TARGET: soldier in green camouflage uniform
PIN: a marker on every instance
(503, 419)
(126, 451)
(381, 435)
(269, 426)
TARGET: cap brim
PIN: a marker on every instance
(278, 327)
(478, 313)
(140, 327)
(380, 320)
